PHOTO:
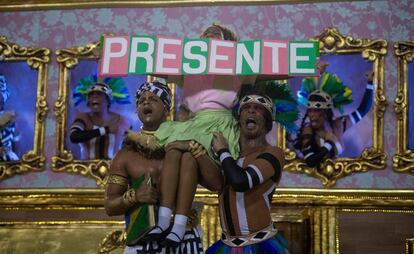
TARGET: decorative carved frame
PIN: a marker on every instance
(332, 42)
(38, 59)
(64, 160)
(403, 159)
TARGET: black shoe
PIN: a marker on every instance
(150, 237)
(166, 242)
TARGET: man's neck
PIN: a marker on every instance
(248, 145)
(150, 127)
(104, 115)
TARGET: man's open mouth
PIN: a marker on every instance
(251, 123)
(147, 111)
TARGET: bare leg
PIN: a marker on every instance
(210, 174)
(168, 189)
(169, 178)
(188, 180)
(188, 184)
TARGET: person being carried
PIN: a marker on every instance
(100, 131)
(321, 135)
(211, 104)
(251, 179)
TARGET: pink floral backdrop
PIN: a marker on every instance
(391, 20)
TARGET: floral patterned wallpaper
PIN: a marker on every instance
(391, 20)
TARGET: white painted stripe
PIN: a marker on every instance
(80, 127)
(258, 172)
(240, 161)
(92, 152)
(102, 131)
(358, 114)
(111, 146)
(249, 179)
(328, 146)
(339, 147)
(352, 119)
(309, 154)
(266, 194)
(223, 225)
(241, 213)
(224, 155)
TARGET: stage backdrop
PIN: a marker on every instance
(390, 20)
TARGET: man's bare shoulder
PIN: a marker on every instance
(277, 152)
(82, 116)
(119, 163)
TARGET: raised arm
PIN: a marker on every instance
(365, 105)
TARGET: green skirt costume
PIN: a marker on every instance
(201, 128)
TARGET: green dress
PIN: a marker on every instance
(201, 128)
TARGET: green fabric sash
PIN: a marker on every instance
(139, 219)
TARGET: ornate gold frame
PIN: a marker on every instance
(64, 161)
(38, 59)
(332, 42)
(68, 58)
(403, 159)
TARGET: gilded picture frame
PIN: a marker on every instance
(403, 159)
(333, 43)
(37, 59)
(65, 159)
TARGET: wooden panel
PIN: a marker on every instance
(374, 232)
(54, 239)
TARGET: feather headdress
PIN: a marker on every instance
(114, 88)
(329, 91)
(278, 100)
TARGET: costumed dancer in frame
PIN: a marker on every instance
(251, 179)
(141, 159)
(8, 133)
(321, 135)
(100, 131)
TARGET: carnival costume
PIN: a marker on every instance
(95, 141)
(245, 202)
(147, 145)
(328, 93)
(212, 113)
(7, 126)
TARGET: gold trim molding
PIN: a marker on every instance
(332, 42)
(320, 206)
(403, 159)
(37, 59)
(409, 245)
(17, 5)
(89, 198)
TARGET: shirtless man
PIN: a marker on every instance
(251, 180)
(141, 158)
(99, 132)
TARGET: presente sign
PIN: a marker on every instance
(147, 54)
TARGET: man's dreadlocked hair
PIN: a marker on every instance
(219, 32)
